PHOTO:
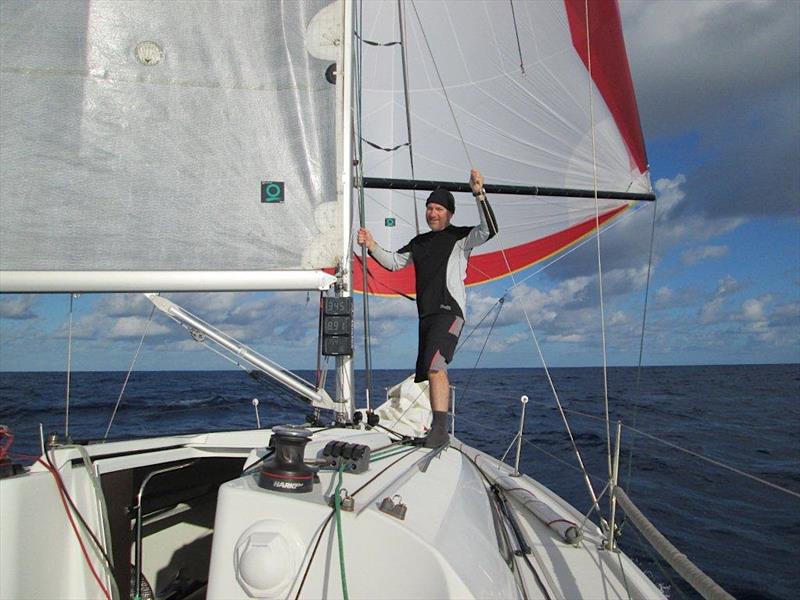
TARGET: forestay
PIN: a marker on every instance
(137, 138)
(516, 78)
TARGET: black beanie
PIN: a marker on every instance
(443, 197)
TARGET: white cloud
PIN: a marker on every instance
(756, 322)
(675, 224)
(753, 309)
(18, 308)
(134, 327)
(122, 305)
(696, 255)
(572, 338)
(788, 314)
(710, 311)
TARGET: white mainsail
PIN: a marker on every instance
(141, 138)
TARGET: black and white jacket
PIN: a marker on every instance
(440, 260)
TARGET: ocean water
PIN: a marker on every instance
(744, 534)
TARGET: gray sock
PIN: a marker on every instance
(438, 434)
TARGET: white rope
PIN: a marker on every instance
(130, 370)
(69, 369)
(597, 237)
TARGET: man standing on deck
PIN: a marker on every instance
(440, 259)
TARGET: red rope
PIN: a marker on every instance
(62, 492)
(6, 439)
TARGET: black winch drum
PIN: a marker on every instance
(285, 470)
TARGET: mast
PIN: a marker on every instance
(344, 99)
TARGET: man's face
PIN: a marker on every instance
(437, 216)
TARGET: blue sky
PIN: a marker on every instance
(718, 85)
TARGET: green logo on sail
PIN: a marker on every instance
(271, 192)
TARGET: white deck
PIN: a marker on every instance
(448, 546)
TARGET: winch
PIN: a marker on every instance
(285, 470)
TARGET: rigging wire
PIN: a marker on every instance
(362, 213)
(69, 368)
(373, 43)
(597, 237)
(407, 98)
(516, 32)
(441, 83)
(624, 577)
(130, 370)
(532, 445)
(580, 244)
(715, 462)
(461, 343)
(388, 287)
(511, 273)
(638, 392)
(480, 355)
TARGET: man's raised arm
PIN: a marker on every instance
(487, 228)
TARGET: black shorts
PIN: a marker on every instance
(438, 336)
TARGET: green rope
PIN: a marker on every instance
(380, 456)
(337, 502)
